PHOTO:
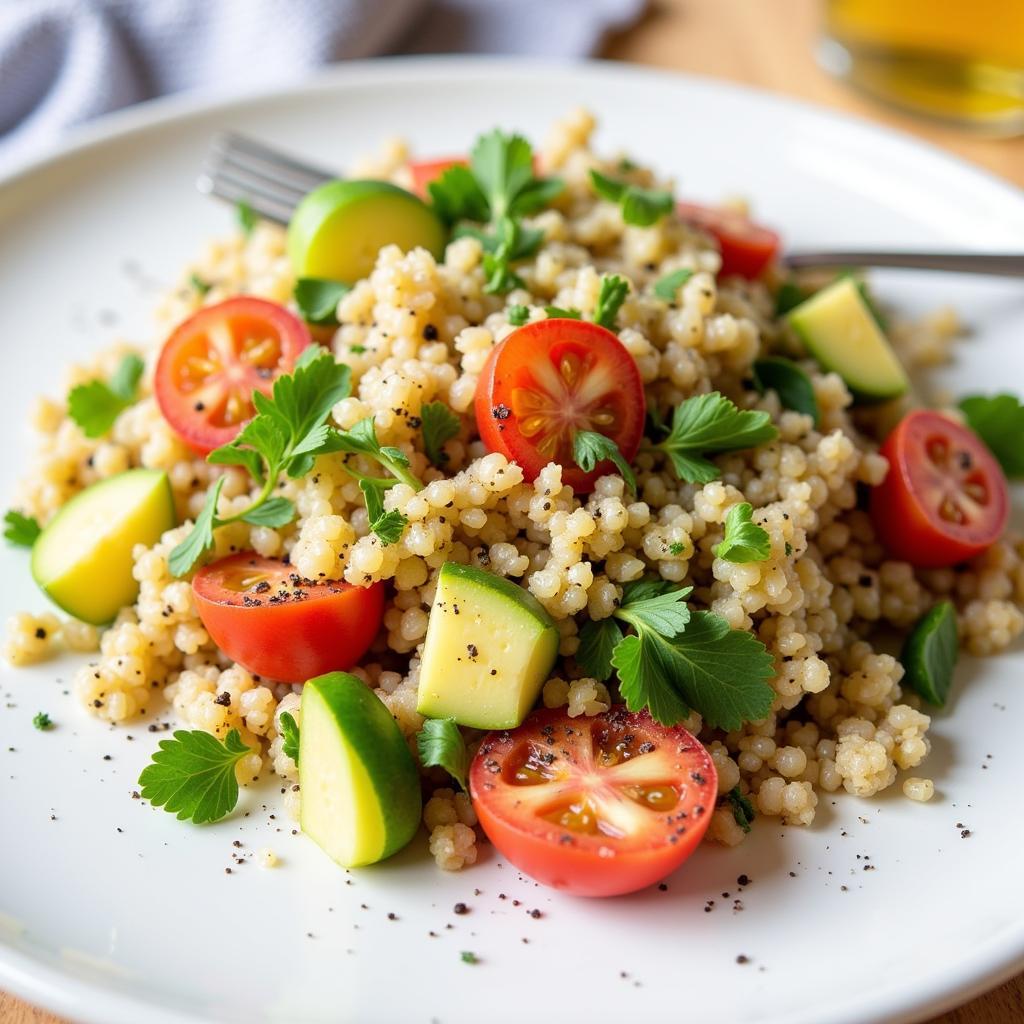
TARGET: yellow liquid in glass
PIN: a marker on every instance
(957, 59)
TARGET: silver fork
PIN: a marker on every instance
(240, 169)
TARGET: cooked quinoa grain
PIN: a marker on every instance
(418, 330)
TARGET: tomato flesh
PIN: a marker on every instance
(213, 362)
(547, 380)
(944, 499)
(594, 806)
(746, 248)
(270, 620)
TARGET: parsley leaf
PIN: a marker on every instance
(518, 315)
(388, 526)
(558, 312)
(246, 217)
(641, 207)
(193, 775)
(440, 743)
(199, 286)
(469, 957)
(274, 512)
(789, 382)
(95, 404)
(667, 287)
(284, 437)
(457, 196)
(42, 721)
(676, 659)
(742, 808)
(598, 638)
(657, 605)
(999, 422)
(21, 530)
(788, 297)
(361, 439)
(744, 540)
(497, 189)
(439, 424)
(589, 448)
(290, 734)
(720, 672)
(707, 424)
(610, 297)
(318, 298)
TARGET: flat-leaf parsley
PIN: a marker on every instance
(95, 404)
(744, 540)
(21, 530)
(193, 775)
(440, 743)
(708, 424)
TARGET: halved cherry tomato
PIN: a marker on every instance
(595, 806)
(212, 363)
(425, 171)
(549, 379)
(944, 498)
(270, 620)
(747, 248)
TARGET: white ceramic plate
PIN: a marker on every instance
(113, 912)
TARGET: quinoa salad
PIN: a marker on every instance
(514, 498)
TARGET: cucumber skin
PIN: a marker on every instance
(383, 752)
(69, 506)
(322, 203)
(506, 588)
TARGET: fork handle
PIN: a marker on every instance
(1001, 264)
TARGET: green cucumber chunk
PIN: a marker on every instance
(359, 788)
(338, 229)
(839, 330)
(83, 559)
(930, 652)
(489, 649)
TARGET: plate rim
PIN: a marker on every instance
(46, 985)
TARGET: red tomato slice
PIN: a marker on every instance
(547, 380)
(746, 248)
(425, 171)
(595, 806)
(265, 616)
(944, 498)
(212, 363)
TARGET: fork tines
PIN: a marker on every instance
(239, 169)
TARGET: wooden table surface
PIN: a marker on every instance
(766, 43)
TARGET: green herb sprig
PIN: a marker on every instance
(290, 736)
(193, 775)
(362, 440)
(999, 421)
(789, 382)
(440, 743)
(284, 437)
(744, 540)
(497, 190)
(318, 298)
(21, 530)
(742, 808)
(589, 448)
(667, 287)
(675, 659)
(95, 404)
(42, 721)
(709, 424)
(439, 424)
(641, 207)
